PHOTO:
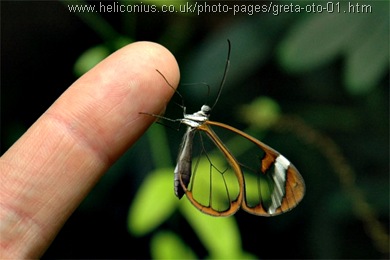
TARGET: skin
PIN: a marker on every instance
(47, 173)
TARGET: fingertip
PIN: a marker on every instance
(137, 65)
(162, 73)
(107, 100)
(165, 60)
(154, 78)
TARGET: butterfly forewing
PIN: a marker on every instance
(215, 185)
(272, 184)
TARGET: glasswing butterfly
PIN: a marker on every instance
(245, 173)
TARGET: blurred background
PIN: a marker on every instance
(313, 84)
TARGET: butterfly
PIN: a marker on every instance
(217, 182)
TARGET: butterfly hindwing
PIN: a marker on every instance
(271, 185)
(216, 183)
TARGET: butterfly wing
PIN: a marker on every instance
(272, 185)
(216, 181)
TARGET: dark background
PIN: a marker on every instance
(41, 42)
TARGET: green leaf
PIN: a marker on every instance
(154, 202)
(219, 235)
(263, 112)
(315, 41)
(362, 37)
(250, 48)
(368, 62)
(159, 146)
(167, 245)
(96, 54)
(90, 58)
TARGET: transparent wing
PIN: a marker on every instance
(272, 185)
(216, 181)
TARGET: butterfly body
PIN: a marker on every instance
(183, 167)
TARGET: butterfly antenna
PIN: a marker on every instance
(224, 75)
(174, 90)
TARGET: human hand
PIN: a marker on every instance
(51, 168)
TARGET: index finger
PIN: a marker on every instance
(51, 168)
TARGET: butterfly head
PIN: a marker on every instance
(205, 110)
